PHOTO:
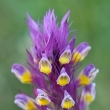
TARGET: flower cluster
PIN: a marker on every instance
(51, 68)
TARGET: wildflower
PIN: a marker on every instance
(65, 57)
(67, 102)
(80, 52)
(42, 98)
(52, 64)
(25, 102)
(87, 96)
(23, 74)
(87, 75)
(63, 78)
(44, 65)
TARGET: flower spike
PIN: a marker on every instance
(65, 57)
(42, 98)
(80, 52)
(87, 75)
(44, 65)
(63, 78)
(55, 56)
(23, 74)
(67, 102)
(25, 102)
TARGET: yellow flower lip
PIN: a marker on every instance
(83, 80)
(42, 98)
(67, 102)
(30, 105)
(26, 78)
(77, 57)
(88, 98)
(22, 73)
(87, 75)
(25, 102)
(80, 52)
(63, 78)
(45, 66)
(88, 93)
(65, 57)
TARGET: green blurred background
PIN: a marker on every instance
(91, 19)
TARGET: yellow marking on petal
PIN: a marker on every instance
(84, 80)
(65, 58)
(26, 78)
(45, 67)
(43, 101)
(88, 98)
(30, 105)
(77, 57)
(67, 104)
(63, 80)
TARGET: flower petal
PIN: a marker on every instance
(88, 93)
(42, 98)
(63, 78)
(23, 74)
(80, 52)
(87, 75)
(65, 57)
(44, 65)
(67, 102)
(25, 102)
